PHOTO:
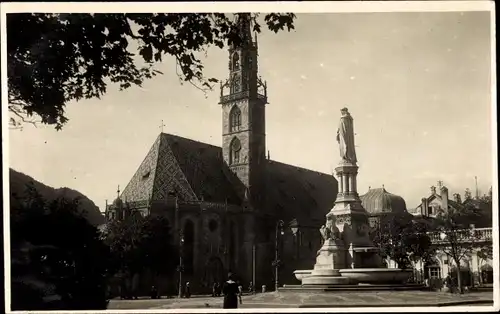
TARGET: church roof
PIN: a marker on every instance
(196, 170)
(300, 193)
(377, 201)
(192, 169)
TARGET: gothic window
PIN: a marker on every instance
(236, 83)
(235, 151)
(235, 61)
(235, 119)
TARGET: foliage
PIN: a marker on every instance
(56, 58)
(140, 243)
(460, 239)
(55, 249)
(402, 239)
(18, 182)
(486, 252)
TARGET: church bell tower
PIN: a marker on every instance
(243, 99)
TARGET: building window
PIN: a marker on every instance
(235, 151)
(235, 119)
(235, 61)
(429, 210)
(435, 273)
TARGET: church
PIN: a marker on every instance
(232, 207)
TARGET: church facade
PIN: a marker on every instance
(232, 205)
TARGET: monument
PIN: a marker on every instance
(348, 255)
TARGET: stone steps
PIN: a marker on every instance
(351, 288)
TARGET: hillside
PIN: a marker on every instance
(18, 182)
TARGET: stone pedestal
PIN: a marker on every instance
(351, 218)
(330, 259)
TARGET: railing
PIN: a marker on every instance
(240, 95)
(466, 235)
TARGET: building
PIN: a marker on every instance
(379, 204)
(226, 202)
(476, 268)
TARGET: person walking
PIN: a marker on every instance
(240, 292)
(230, 291)
(214, 289)
(187, 290)
(219, 289)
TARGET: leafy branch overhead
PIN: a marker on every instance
(56, 58)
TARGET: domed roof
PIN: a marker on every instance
(118, 202)
(377, 201)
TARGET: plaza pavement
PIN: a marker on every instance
(308, 300)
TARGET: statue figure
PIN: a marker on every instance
(329, 231)
(325, 232)
(345, 137)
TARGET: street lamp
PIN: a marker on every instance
(180, 267)
(277, 262)
(294, 226)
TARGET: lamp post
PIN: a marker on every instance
(294, 226)
(180, 267)
(277, 262)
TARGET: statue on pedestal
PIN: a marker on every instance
(326, 232)
(329, 231)
(345, 137)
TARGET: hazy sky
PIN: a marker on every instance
(417, 84)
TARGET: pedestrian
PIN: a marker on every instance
(214, 289)
(240, 292)
(154, 292)
(230, 291)
(187, 290)
(219, 289)
(250, 287)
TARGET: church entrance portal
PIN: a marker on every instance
(214, 272)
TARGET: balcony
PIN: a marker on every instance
(468, 235)
(241, 95)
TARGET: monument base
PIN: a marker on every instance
(326, 280)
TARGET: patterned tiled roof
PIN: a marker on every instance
(192, 169)
(377, 201)
(197, 171)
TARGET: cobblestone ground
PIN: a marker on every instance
(332, 299)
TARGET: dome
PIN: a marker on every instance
(378, 201)
(118, 202)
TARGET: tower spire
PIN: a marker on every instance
(118, 192)
(243, 98)
(245, 29)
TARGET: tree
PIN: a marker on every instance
(55, 58)
(458, 235)
(402, 239)
(55, 249)
(140, 243)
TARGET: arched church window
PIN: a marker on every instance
(235, 119)
(235, 151)
(236, 83)
(235, 61)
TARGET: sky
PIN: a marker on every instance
(417, 85)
